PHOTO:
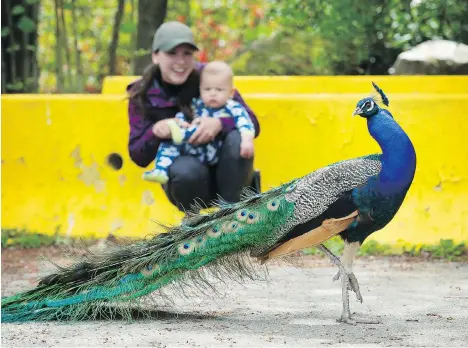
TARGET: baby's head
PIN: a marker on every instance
(216, 84)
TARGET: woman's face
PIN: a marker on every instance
(176, 65)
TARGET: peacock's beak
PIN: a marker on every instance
(357, 111)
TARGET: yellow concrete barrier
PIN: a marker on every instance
(56, 176)
(325, 84)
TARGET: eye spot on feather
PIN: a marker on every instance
(186, 248)
(242, 215)
(231, 226)
(290, 188)
(252, 218)
(213, 232)
(200, 241)
(149, 269)
(273, 205)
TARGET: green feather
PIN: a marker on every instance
(209, 244)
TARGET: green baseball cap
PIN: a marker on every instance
(172, 34)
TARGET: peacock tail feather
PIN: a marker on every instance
(125, 273)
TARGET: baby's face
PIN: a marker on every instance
(215, 91)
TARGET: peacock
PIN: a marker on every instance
(351, 198)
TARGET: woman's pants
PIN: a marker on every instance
(190, 181)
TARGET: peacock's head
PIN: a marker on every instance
(368, 107)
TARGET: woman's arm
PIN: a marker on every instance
(142, 144)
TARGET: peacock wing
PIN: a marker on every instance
(323, 205)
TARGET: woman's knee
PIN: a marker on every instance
(188, 169)
(189, 181)
(231, 146)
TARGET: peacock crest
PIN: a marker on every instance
(380, 97)
(369, 106)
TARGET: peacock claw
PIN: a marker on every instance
(337, 276)
(352, 284)
(354, 320)
(347, 321)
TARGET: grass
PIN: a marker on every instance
(446, 249)
(27, 240)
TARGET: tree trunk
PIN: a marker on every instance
(78, 67)
(60, 81)
(151, 14)
(19, 47)
(115, 37)
(61, 12)
(133, 46)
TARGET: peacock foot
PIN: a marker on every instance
(352, 284)
(355, 319)
(347, 281)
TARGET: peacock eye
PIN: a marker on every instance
(369, 105)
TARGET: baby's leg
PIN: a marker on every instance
(166, 154)
(204, 153)
(211, 151)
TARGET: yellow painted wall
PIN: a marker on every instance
(55, 174)
(325, 84)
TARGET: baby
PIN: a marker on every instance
(216, 89)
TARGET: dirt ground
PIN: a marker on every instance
(420, 304)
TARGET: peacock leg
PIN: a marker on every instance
(345, 285)
(353, 283)
(348, 280)
(346, 313)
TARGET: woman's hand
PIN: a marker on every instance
(161, 130)
(182, 124)
(208, 129)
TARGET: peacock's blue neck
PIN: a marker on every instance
(398, 155)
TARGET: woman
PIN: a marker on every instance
(166, 87)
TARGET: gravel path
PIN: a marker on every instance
(420, 304)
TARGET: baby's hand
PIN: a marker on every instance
(247, 148)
